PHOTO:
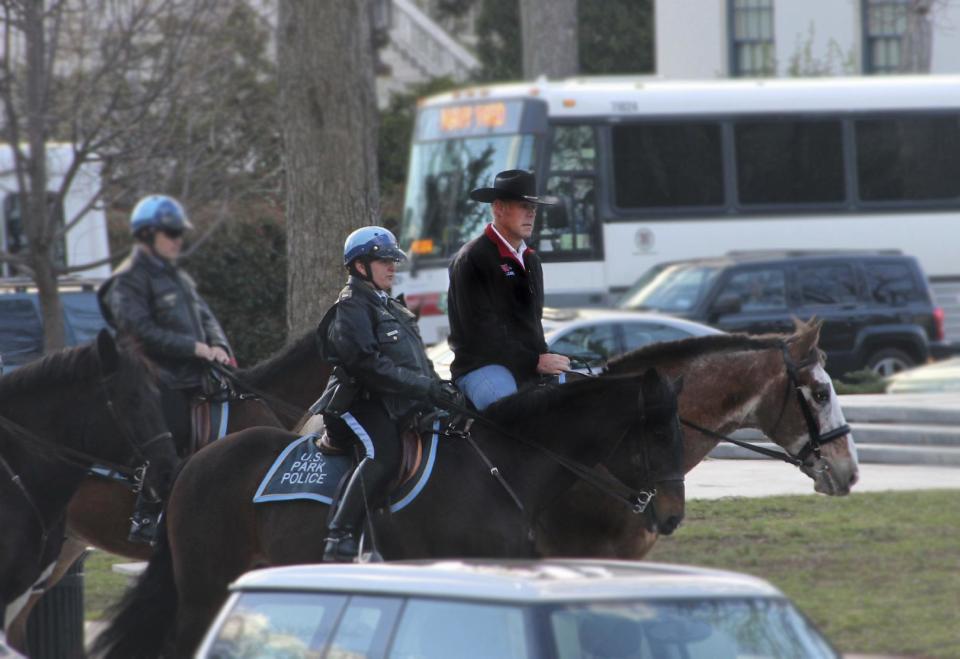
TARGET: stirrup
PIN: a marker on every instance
(340, 547)
(143, 530)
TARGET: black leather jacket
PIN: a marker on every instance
(157, 303)
(378, 344)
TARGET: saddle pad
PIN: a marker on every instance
(302, 472)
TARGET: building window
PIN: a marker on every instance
(884, 26)
(751, 30)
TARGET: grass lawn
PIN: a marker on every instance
(878, 572)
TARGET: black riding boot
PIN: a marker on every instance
(342, 544)
(143, 522)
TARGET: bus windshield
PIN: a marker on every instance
(672, 288)
(438, 215)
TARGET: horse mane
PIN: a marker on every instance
(530, 404)
(696, 346)
(282, 360)
(693, 347)
(66, 366)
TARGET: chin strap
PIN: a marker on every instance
(368, 277)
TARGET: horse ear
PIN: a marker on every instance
(107, 352)
(807, 337)
(677, 385)
(651, 378)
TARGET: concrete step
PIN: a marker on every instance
(868, 453)
(908, 435)
(933, 409)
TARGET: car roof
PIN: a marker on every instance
(558, 580)
(760, 256)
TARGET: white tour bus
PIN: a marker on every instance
(651, 171)
(86, 241)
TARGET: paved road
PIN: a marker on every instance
(713, 479)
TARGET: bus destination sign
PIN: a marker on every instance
(468, 119)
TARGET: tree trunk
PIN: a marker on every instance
(549, 38)
(329, 116)
(36, 213)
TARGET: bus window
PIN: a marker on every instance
(571, 224)
(439, 216)
(667, 165)
(789, 162)
(909, 158)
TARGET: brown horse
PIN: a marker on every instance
(730, 382)
(99, 512)
(214, 532)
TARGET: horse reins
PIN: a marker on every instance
(274, 403)
(816, 439)
(636, 500)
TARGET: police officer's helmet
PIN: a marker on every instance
(159, 212)
(372, 243)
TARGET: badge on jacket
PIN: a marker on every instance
(508, 270)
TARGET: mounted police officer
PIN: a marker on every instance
(381, 378)
(150, 299)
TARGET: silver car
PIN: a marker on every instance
(561, 609)
(591, 337)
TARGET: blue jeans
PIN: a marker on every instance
(487, 384)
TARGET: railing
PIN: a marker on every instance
(427, 46)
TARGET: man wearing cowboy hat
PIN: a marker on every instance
(495, 300)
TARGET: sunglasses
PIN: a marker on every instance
(172, 234)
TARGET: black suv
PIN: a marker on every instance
(876, 306)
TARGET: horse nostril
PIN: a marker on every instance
(670, 525)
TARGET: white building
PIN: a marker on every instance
(418, 50)
(749, 38)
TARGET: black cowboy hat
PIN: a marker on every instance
(514, 185)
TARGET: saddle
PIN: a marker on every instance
(411, 438)
(207, 411)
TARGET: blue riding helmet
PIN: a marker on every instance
(159, 212)
(374, 242)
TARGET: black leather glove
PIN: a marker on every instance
(445, 395)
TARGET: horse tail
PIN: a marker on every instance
(142, 623)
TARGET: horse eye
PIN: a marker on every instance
(821, 396)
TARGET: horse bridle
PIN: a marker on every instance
(816, 438)
(76, 457)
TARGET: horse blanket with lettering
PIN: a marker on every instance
(302, 472)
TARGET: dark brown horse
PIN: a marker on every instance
(99, 512)
(214, 532)
(730, 382)
(59, 416)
